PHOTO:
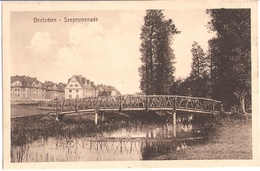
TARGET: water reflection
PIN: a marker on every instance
(143, 142)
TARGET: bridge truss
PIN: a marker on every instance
(131, 102)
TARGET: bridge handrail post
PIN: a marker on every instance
(221, 107)
(57, 109)
(175, 103)
(61, 105)
(146, 106)
(213, 107)
(76, 107)
(174, 113)
(120, 104)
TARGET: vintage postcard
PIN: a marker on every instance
(130, 84)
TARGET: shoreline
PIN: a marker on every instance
(229, 138)
(233, 140)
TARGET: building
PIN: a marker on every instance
(80, 87)
(105, 90)
(61, 89)
(54, 91)
(24, 87)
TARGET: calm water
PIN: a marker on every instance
(26, 110)
(138, 142)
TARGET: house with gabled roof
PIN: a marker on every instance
(25, 87)
(79, 87)
(54, 91)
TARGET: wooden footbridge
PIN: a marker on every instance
(172, 103)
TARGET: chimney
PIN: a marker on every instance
(87, 82)
(91, 82)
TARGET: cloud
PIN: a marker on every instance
(105, 55)
(42, 41)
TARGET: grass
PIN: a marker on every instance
(232, 139)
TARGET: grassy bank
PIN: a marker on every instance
(232, 139)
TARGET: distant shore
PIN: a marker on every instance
(28, 101)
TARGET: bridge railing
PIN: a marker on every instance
(132, 102)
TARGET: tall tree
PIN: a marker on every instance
(199, 77)
(157, 57)
(230, 54)
(199, 62)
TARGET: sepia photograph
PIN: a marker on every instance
(94, 83)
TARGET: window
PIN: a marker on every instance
(70, 96)
(77, 90)
(71, 85)
(77, 96)
(15, 89)
(76, 85)
(70, 90)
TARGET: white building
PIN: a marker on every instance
(80, 87)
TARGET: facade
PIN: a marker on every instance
(61, 89)
(54, 91)
(24, 87)
(80, 87)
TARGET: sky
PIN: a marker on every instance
(106, 52)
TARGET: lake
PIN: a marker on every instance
(26, 110)
(136, 142)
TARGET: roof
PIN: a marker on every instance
(25, 80)
(94, 86)
(106, 87)
(81, 80)
(61, 86)
(87, 84)
(49, 86)
(84, 83)
(105, 93)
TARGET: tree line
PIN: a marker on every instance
(222, 73)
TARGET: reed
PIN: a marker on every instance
(30, 128)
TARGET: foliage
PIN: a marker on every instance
(199, 77)
(198, 83)
(230, 54)
(199, 63)
(157, 57)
